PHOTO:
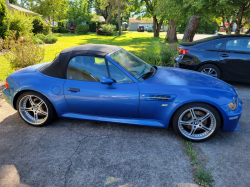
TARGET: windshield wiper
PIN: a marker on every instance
(151, 72)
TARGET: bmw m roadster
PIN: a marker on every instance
(107, 83)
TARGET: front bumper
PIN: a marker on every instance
(231, 118)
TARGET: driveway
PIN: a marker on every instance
(85, 153)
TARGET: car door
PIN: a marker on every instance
(86, 95)
(236, 58)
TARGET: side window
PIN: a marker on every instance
(118, 75)
(85, 68)
(238, 45)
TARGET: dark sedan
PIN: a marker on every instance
(226, 57)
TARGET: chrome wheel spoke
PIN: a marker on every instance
(39, 104)
(192, 131)
(204, 118)
(31, 101)
(36, 117)
(43, 112)
(186, 122)
(193, 114)
(205, 128)
(30, 109)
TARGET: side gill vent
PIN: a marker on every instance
(160, 97)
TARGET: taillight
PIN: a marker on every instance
(7, 85)
(183, 51)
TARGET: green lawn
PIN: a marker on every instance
(131, 41)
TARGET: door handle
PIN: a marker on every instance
(74, 89)
(224, 55)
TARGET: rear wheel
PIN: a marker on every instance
(196, 121)
(211, 70)
(35, 109)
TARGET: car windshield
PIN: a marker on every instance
(134, 65)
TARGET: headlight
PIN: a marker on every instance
(233, 105)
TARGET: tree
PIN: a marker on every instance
(3, 15)
(233, 12)
(151, 11)
(78, 12)
(13, 2)
(109, 8)
(119, 16)
(50, 9)
(173, 13)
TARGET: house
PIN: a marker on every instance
(12, 7)
(134, 23)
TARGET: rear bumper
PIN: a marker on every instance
(7, 95)
(231, 118)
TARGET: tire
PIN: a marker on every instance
(196, 122)
(211, 70)
(35, 109)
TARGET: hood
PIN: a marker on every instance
(183, 77)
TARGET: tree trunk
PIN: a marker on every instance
(171, 34)
(119, 16)
(156, 26)
(191, 28)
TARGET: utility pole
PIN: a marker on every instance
(119, 16)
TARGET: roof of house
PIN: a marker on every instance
(22, 9)
(144, 20)
(58, 68)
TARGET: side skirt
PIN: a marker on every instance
(133, 121)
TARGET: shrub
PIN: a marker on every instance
(21, 54)
(106, 29)
(39, 26)
(41, 37)
(3, 21)
(50, 39)
(159, 54)
(82, 29)
(20, 23)
(61, 30)
(36, 40)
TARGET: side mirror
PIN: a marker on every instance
(109, 81)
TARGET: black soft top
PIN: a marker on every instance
(58, 68)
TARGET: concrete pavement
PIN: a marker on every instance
(85, 153)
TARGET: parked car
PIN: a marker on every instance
(140, 29)
(226, 57)
(107, 83)
(150, 28)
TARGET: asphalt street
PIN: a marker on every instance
(86, 153)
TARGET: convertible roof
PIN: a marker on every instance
(58, 68)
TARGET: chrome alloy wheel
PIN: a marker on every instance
(197, 123)
(33, 109)
(210, 71)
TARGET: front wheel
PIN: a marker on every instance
(196, 121)
(35, 109)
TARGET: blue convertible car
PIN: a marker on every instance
(107, 83)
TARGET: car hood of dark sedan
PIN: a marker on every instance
(176, 76)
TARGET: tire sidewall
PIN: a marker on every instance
(192, 105)
(49, 106)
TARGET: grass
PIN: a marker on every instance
(131, 41)
(202, 175)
